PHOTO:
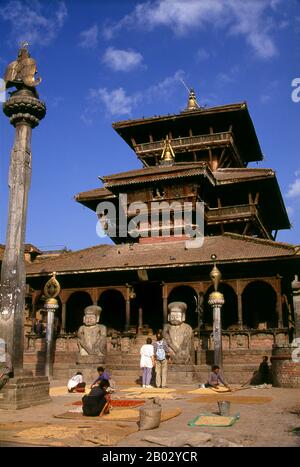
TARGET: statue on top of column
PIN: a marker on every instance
(22, 70)
(91, 335)
(178, 334)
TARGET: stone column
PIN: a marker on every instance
(296, 303)
(50, 306)
(63, 317)
(25, 111)
(216, 300)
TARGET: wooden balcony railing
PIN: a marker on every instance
(190, 143)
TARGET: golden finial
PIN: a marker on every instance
(168, 155)
(52, 287)
(192, 102)
(215, 274)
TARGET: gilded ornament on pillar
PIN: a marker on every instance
(215, 276)
(52, 287)
(22, 70)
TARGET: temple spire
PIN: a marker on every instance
(192, 102)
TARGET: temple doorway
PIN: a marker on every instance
(113, 307)
(75, 310)
(148, 303)
(188, 295)
(259, 305)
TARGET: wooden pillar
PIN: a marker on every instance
(94, 296)
(279, 301)
(127, 318)
(296, 303)
(279, 309)
(24, 110)
(165, 303)
(240, 305)
(63, 317)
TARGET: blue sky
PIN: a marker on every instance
(104, 61)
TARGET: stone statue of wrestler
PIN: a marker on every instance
(91, 335)
(178, 334)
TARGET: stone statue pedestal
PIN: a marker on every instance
(88, 364)
(90, 360)
(181, 374)
(24, 391)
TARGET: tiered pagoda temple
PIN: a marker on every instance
(199, 155)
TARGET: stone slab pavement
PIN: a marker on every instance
(259, 425)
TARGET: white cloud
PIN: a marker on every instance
(89, 37)
(118, 102)
(290, 210)
(264, 98)
(229, 77)
(122, 60)
(202, 54)
(294, 189)
(165, 88)
(34, 22)
(249, 18)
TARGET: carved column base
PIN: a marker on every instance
(21, 392)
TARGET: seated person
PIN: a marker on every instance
(215, 378)
(96, 400)
(76, 384)
(102, 374)
(262, 375)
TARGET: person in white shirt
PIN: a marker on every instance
(147, 362)
(76, 384)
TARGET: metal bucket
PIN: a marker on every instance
(224, 407)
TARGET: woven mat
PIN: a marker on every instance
(208, 391)
(150, 395)
(147, 390)
(61, 391)
(117, 403)
(132, 415)
(234, 399)
(74, 435)
(209, 419)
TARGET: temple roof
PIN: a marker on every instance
(159, 172)
(220, 117)
(227, 247)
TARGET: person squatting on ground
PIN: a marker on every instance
(94, 402)
(147, 362)
(215, 378)
(161, 356)
(102, 374)
(76, 383)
